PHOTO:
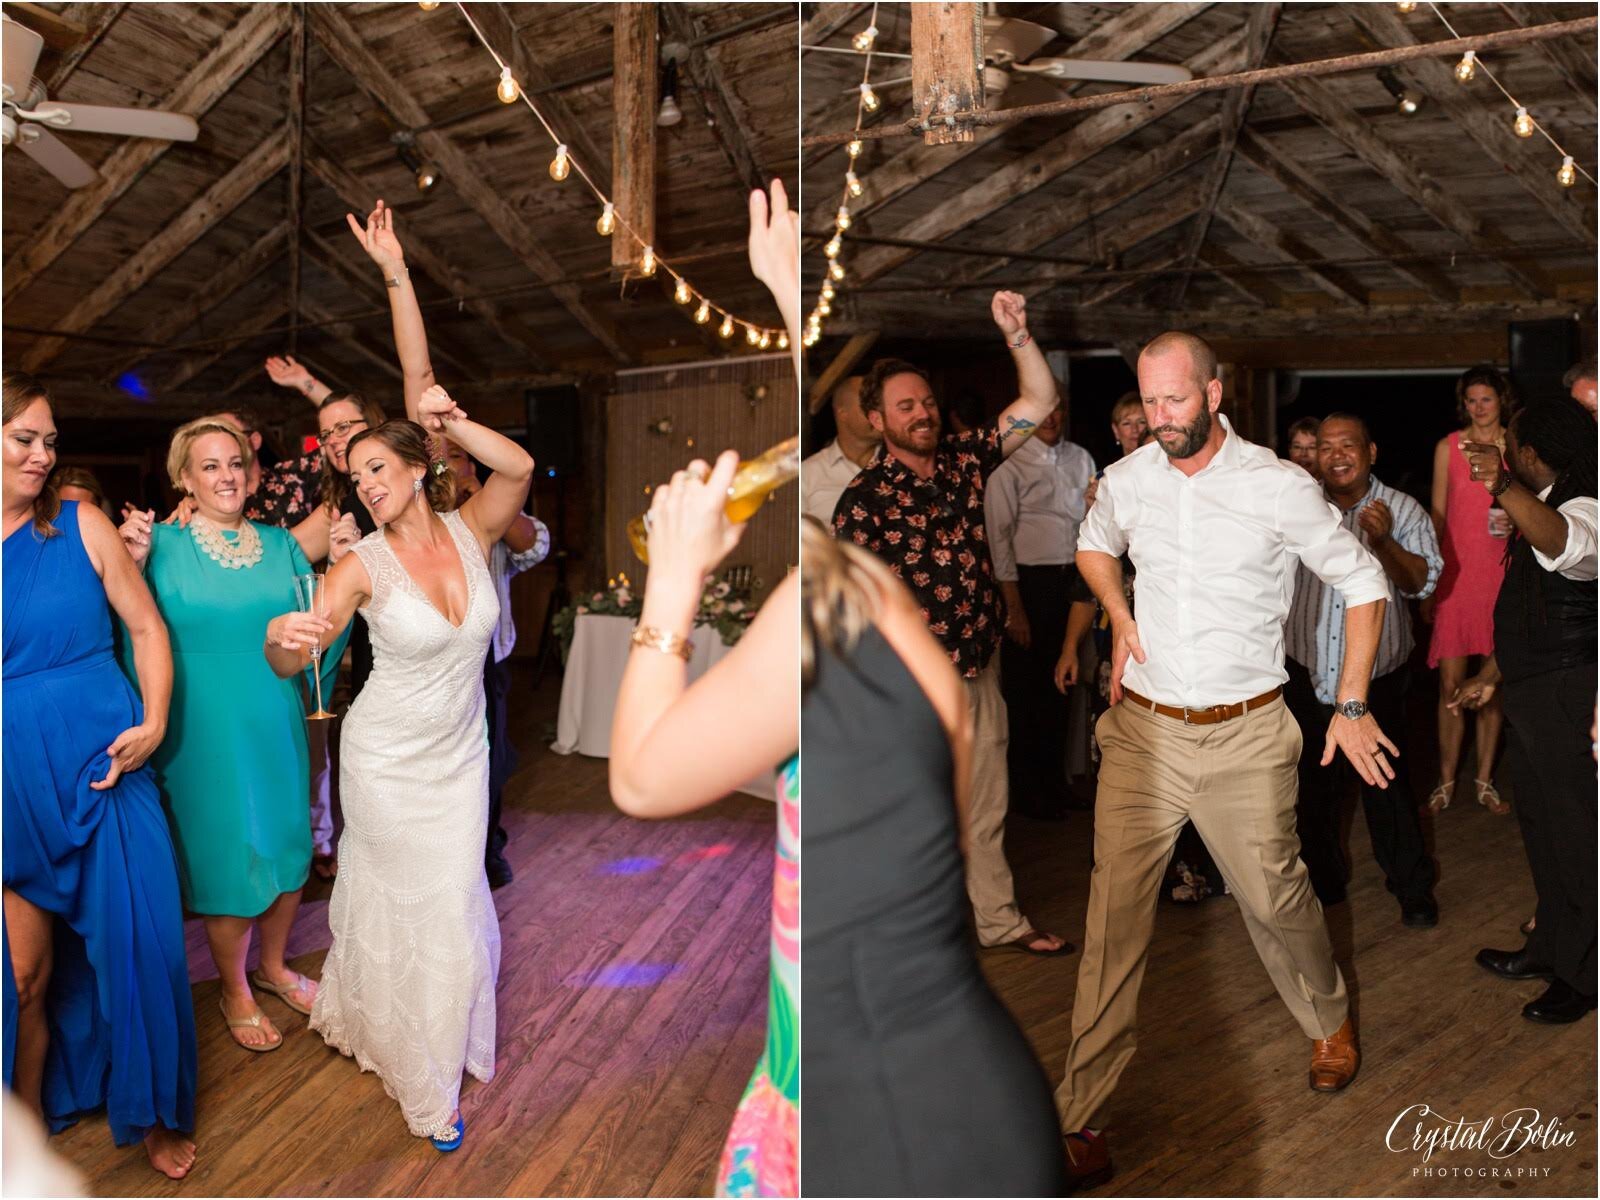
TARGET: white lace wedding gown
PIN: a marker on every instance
(408, 985)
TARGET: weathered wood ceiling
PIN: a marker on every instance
(187, 246)
(1427, 218)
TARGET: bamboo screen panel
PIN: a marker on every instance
(715, 405)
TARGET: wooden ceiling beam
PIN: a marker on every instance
(633, 133)
(712, 86)
(1126, 34)
(1260, 26)
(269, 157)
(234, 54)
(296, 121)
(1118, 286)
(1172, 209)
(1300, 183)
(262, 319)
(97, 20)
(345, 333)
(827, 20)
(1029, 172)
(849, 355)
(1318, 98)
(1335, 281)
(336, 35)
(193, 316)
(1571, 63)
(1255, 287)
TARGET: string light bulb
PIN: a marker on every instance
(752, 335)
(1467, 68)
(863, 40)
(1523, 125)
(726, 328)
(765, 340)
(681, 293)
(824, 308)
(870, 101)
(827, 289)
(843, 219)
(427, 5)
(835, 272)
(560, 165)
(1407, 6)
(507, 88)
(1568, 174)
(852, 184)
(703, 313)
(647, 262)
(608, 220)
(833, 247)
(854, 149)
(783, 340)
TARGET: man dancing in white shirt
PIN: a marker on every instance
(1198, 729)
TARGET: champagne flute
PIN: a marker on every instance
(309, 593)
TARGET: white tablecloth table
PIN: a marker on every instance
(595, 665)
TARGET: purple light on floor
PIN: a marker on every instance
(633, 975)
(133, 385)
(628, 866)
(701, 853)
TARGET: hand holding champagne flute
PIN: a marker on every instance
(309, 591)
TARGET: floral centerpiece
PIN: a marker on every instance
(725, 608)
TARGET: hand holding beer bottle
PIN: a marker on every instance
(746, 491)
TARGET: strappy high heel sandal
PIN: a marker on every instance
(1490, 798)
(1439, 799)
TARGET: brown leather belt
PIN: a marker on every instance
(1210, 715)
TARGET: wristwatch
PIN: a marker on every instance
(1352, 710)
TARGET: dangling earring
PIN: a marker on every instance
(416, 487)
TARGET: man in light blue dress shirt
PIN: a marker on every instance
(1401, 536)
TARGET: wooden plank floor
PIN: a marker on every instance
(631, 1011)
(1215, 1102)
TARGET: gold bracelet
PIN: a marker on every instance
(660, 639)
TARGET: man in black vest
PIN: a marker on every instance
(1544, 660)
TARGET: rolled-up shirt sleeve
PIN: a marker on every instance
(521, 560)
(1101, 530)
(1000, 503)
(1577, 558)
(1413, 529)
(1311, 528)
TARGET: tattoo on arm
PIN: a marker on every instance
(1018, 429)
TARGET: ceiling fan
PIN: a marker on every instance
(1010, 79)
(27, 115)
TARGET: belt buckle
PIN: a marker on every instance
(1187, 710)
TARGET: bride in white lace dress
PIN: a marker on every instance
(408, 985)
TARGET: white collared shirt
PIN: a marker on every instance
(1577, 558)
(1033, 505)
(1314, 635)
(823, 477)
(505, 562)
(1216, 556)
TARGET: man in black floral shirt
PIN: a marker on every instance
(918, 505)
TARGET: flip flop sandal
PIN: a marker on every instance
(1020, 945)
(1490, 798)
(282, 990)
(253, 1021)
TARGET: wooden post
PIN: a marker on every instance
(633, 133)
(946, 68)
(854, 350)
(296, 135)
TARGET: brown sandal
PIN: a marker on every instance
(253, 1021)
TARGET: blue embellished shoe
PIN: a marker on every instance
(445, 1145)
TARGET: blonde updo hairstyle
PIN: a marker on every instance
(184, 438)
(20, 391)
(410, 441)
(842, 589)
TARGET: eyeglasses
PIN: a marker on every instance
(342, 428)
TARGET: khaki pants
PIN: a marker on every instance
(1236, 781)
(989, 886)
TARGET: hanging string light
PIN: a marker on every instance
(1467, 68)
(1568, 174)
(842, 221)
(852, 183)
(863, 40)
(609, 220)
(869, 98)
(427, 5)
(1523, 125)
(1407, 6)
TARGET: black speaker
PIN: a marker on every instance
(1541, 352)
(553, 428)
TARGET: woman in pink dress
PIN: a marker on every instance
(1472, 537)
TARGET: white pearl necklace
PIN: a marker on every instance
(246, 552)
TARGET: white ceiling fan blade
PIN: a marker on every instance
(131, 122)
(55, 156)
(20, 47)
(1108, 72)
(1031, 89)
(1006, 39)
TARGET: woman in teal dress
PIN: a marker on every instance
(234, 764)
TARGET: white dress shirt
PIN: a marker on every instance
(1033, 505)
(1216, 556)
(1577, 558)
(503, 564)
(1314, 635)
(823, 477)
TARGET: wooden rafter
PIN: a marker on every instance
(1255, 228)
(1295, 179)
(345, 333)
(235, 53)
(1175, 206)
(1317, 98)
(827, 20)
(1489, 127)
(221, 198)
(212, 294)
(708, 78)
(1119, 286)
(296, 125)
(1571, 63)
(419, 251)
(1260, 26)
(1029, 172)
(259, 321)
(851, 353)
(1126, 34)
(336, 35)
(97, 20)
(1254, 287)
(633, 132)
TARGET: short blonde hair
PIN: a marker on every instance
(185, 436)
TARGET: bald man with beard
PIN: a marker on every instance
(823, 475)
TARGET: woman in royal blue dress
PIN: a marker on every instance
(97, 1003)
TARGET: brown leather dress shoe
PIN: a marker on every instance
(1334, 1059)
(1088, 1160)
